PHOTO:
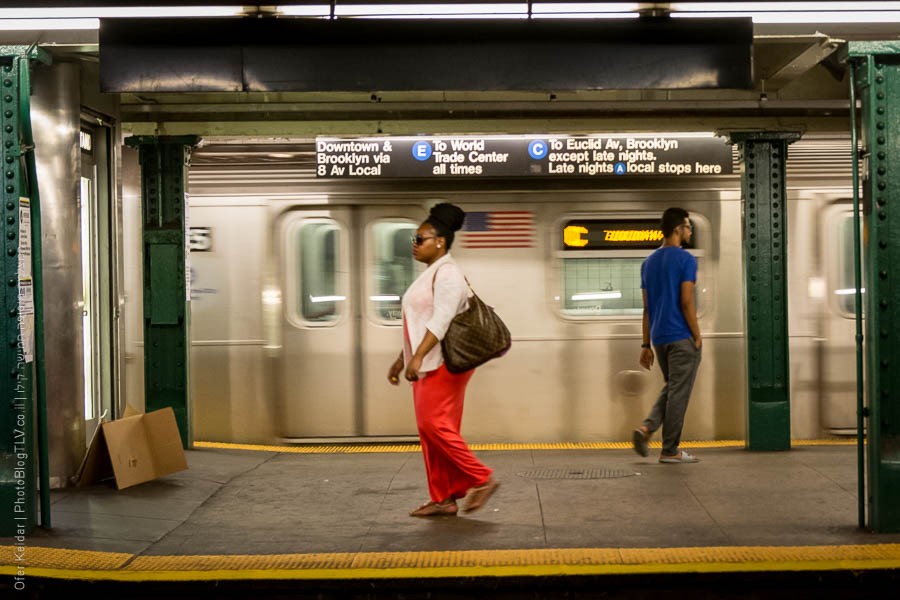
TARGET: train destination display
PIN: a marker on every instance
(593, 155)
(596, 234)
(606, 234)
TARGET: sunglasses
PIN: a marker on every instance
(418, 240)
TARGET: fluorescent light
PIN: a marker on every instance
(585, 10)
(47, 24)
(848, 291)
(597, 296)
(588, 15)
(431, 10)
(391, 298)
(321, 10)
(792, 12)
(819, 16)
(473, 11)
(781, 6)
(760, 12)
(43, 19)
(114, 12)
(585, 7)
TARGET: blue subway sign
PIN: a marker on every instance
(594, 155)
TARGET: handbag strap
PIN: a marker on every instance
(434, 277)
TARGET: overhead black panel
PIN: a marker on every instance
(304, 55)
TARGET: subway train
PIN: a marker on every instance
(296, 284)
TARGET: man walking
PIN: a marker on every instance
(668, 277)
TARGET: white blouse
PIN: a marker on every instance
(427, 310)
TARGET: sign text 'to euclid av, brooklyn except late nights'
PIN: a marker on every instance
(596, 155)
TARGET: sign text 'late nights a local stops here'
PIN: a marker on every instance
(594, 155)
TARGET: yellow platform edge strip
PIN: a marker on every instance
(364, 448)
(477, 563)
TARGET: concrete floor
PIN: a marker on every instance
(251, 505)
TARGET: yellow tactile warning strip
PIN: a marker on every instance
(78, 564)
(61, 558)
(363, 448)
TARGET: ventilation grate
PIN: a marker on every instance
(602, 473)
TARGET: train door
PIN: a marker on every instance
(320, 376)
(344, 270)
(98, 273)
(837, 345)
(388, 269)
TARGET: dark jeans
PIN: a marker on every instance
(679, 362)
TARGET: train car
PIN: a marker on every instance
(296, 281)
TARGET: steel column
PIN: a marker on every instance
(18, 450)
(164, 161)
(877, 82)
(763, 158)
(18, 487)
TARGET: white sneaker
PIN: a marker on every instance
(683, 457)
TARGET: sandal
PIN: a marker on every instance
(447, 508)
(477, 497)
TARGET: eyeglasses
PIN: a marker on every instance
(418, 240)
(688, 226)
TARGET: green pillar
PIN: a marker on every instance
(877, 82)
(763, 157)
(164, 161)
(19, 452)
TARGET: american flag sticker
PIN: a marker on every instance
(498, 229)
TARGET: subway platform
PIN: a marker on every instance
(569, 521)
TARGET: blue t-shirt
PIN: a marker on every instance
(662, 274)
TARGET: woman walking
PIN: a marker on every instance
(429, 304)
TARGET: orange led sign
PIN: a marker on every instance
(607, 234)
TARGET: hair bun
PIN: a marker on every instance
(450, 215)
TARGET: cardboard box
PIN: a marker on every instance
(134, 449)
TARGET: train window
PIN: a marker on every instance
(317, 247)
(845, 283)
(602, 286)
(601, 264)
(393, 267)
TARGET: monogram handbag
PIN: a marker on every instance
(474, 337)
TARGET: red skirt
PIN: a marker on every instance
(449, 464)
